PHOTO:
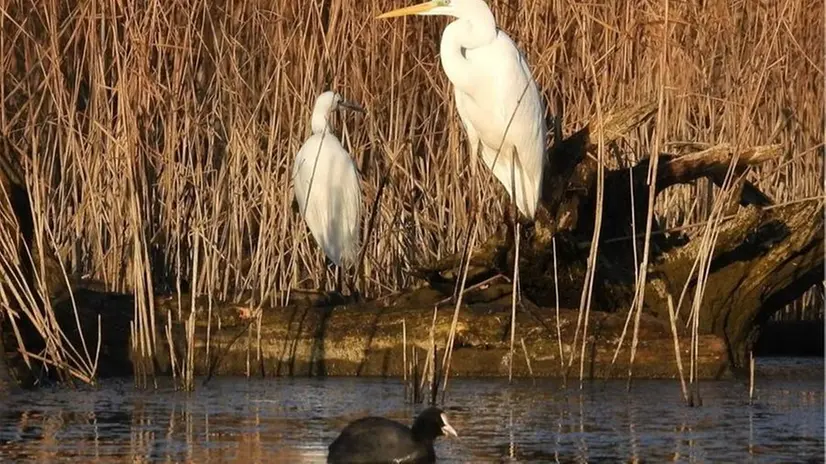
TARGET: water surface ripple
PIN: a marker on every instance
(293, 420)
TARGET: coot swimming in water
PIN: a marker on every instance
(378, 440)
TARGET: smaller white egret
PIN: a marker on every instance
(326, 185)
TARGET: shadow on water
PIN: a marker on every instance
(318, 355)
(294, 419)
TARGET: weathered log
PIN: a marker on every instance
(366, 339)
(762, 260)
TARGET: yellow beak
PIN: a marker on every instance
(409, 10)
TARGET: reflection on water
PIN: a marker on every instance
(293, 420)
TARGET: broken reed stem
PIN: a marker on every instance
(695, 362)
(471, 288)
(592, 259)
(70, 370)
(624, 330)
(527, 358)
(678, 358)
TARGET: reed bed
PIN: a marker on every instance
(158, 137)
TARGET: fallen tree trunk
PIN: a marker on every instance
(366, 339)
(762, 260)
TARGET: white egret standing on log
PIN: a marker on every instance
(496, 96)
(498, 102)
(326, 184)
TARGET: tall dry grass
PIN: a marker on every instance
(160, 136)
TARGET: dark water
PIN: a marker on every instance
(293, 420)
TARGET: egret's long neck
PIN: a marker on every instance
(474, 30)
(319, 120)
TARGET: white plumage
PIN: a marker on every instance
(326, 185)
(496, 96)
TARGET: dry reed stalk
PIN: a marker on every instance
(527, 357)
(433, 372)
(705, 254)
(87, 364)
(514, 295)
(258, 350)
(634, 237)
(189, 365)
(673, 319)
(556, 307)
(247, 363)
(588, 283)
(710, 236)
(455, 322)
(32, 303)
(404, 353)
(652, 189)
(751, 376)
(173, 362)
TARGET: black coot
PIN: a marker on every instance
(378, 440)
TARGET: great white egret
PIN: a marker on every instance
(496, 96)
(498, 102)
(326, 184)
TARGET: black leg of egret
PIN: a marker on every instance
(339, 277)
(510, 226)
(351, 282)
